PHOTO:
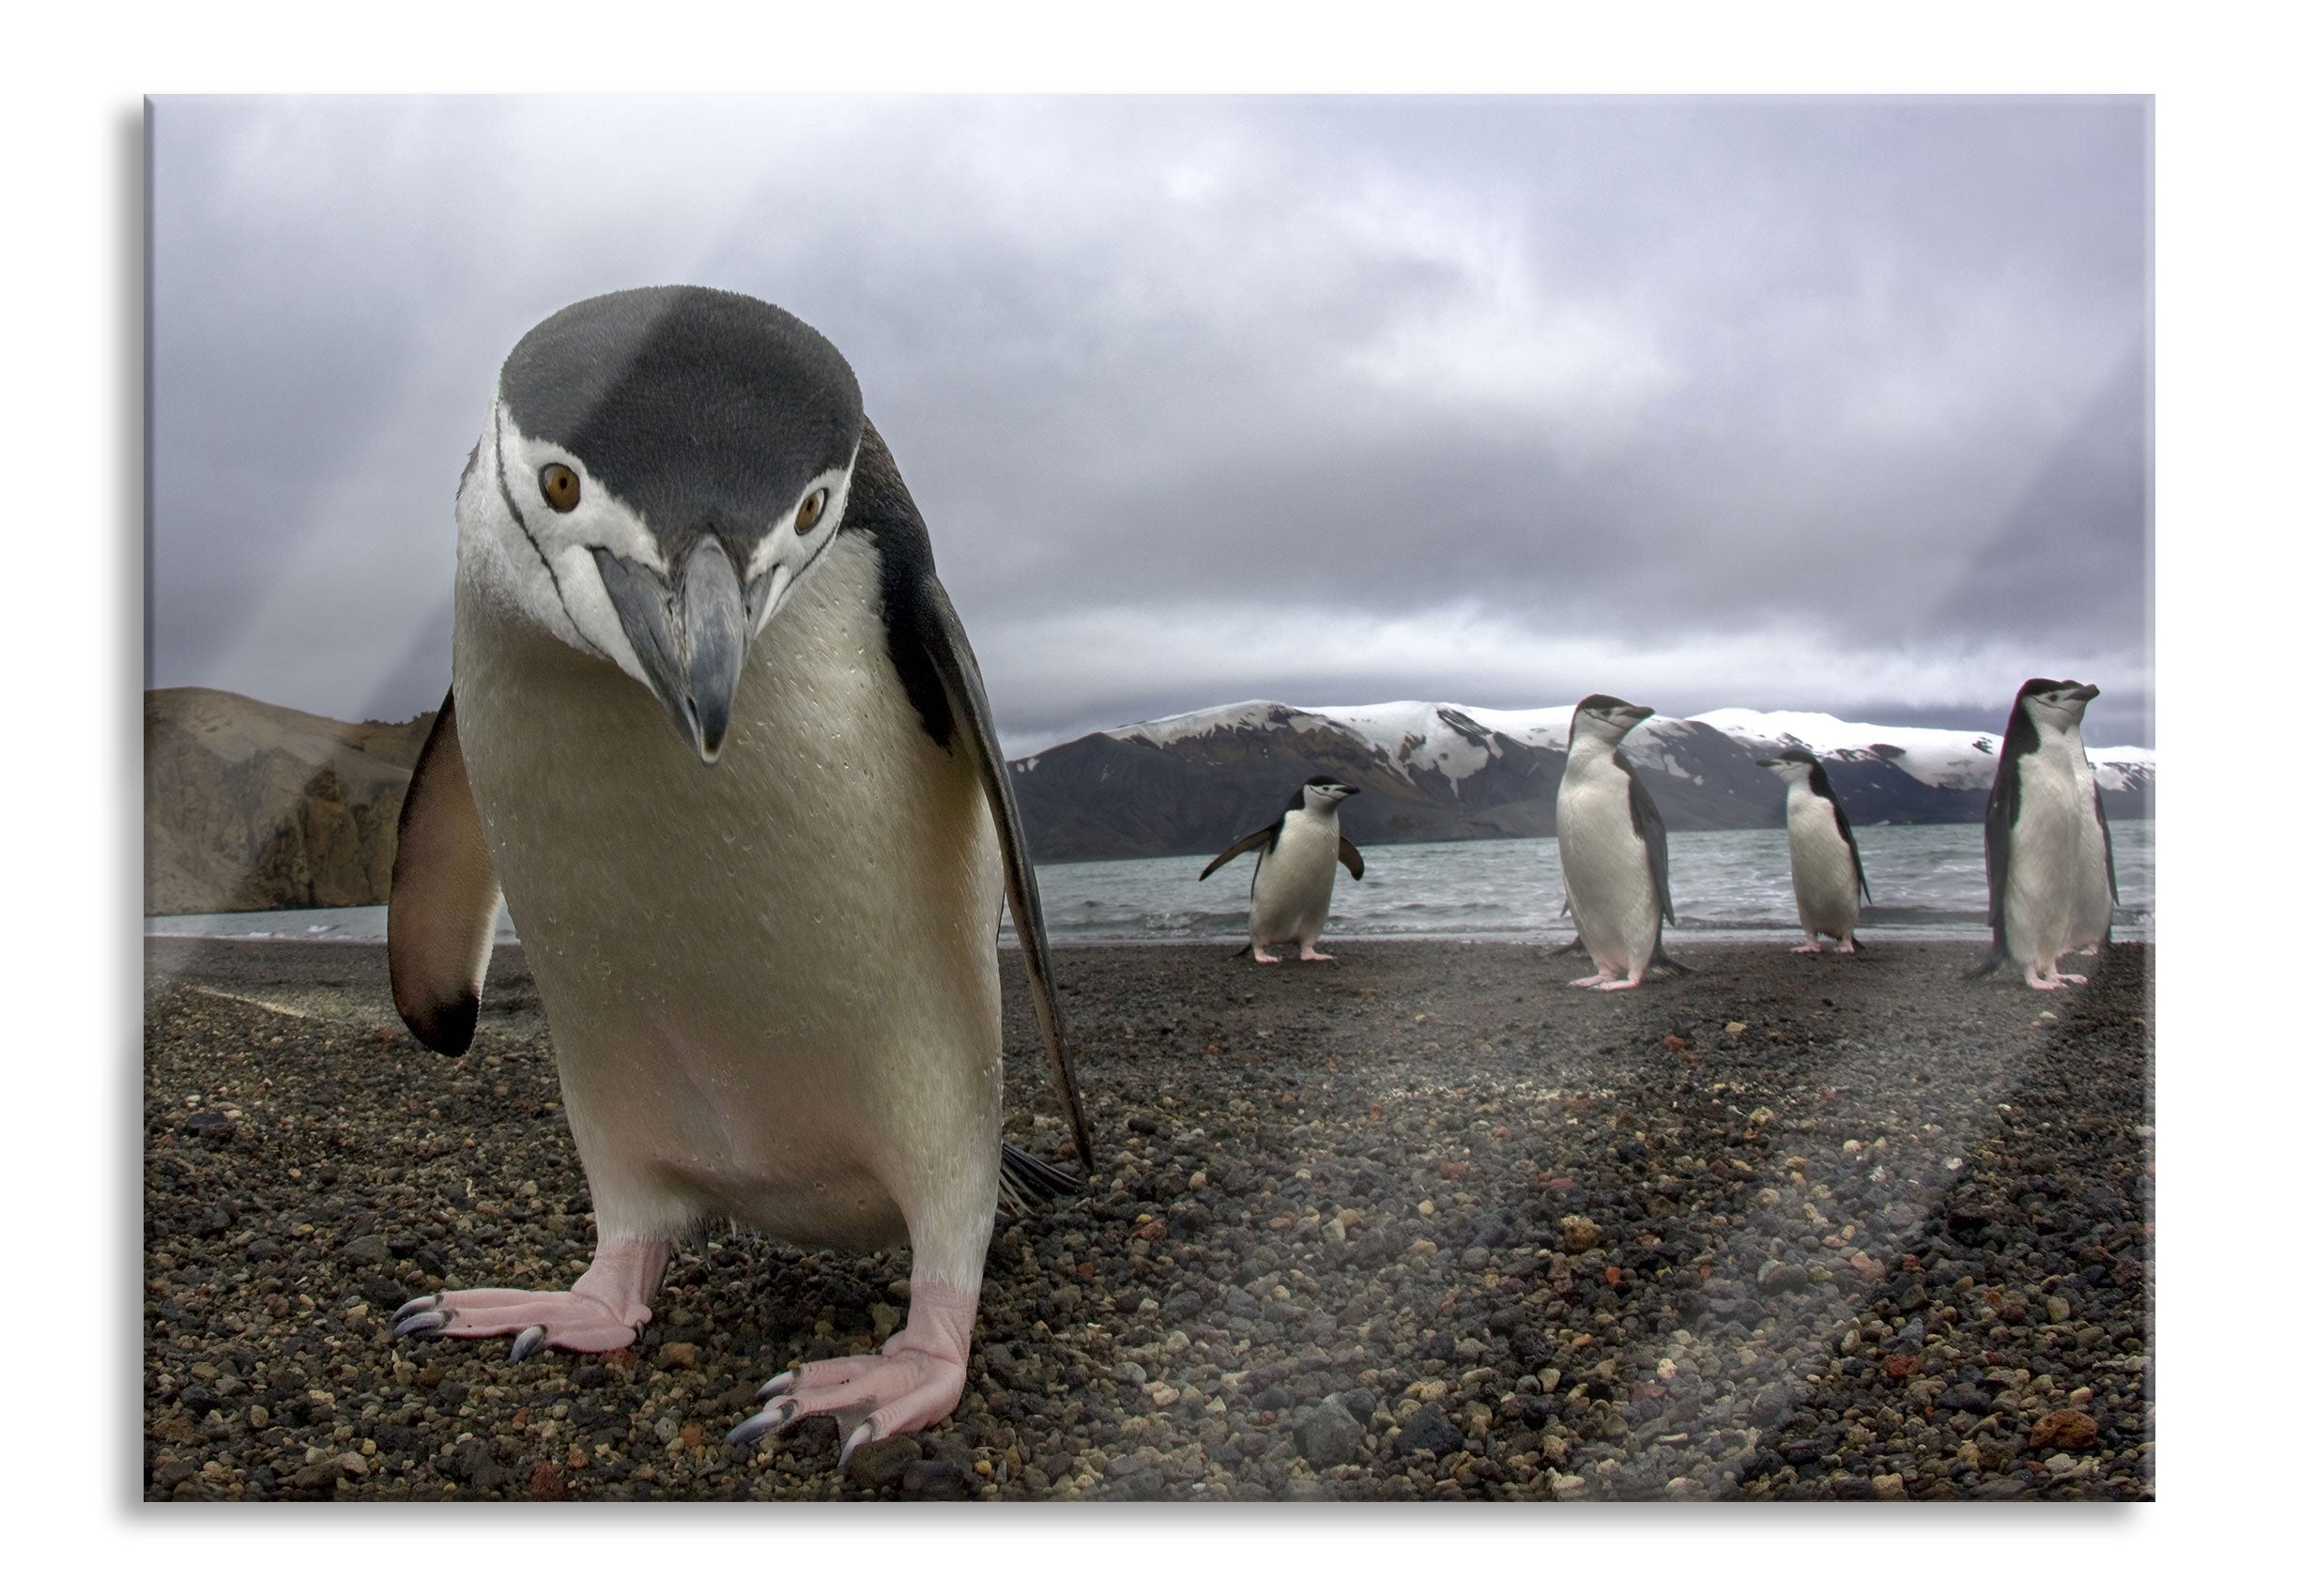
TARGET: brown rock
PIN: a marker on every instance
(2064, 1429)
(677, 1354)
(1452, 1169)
(1577, 1234)
(544, 1483)
(881, 1464)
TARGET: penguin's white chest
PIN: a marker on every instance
(1821, 866)
(2047, 848)
(772, 985)
(2093, 904)
(1293, 884)
(1608, 879)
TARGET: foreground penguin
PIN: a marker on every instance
(1613, 848)
(716, 733)
(2036, 833)
(2096, 894)
(1824, 860)
(1293, 877)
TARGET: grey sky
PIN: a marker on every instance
(1835, 405)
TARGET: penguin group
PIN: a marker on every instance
(2051, 866)
(716, 737)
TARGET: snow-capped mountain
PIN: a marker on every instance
(1435, 773)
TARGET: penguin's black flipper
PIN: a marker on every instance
(946, 647)
(1845, 830)
(441, 925)
(1262, 838)
(1645, 819)
(1352, 859)
(2107, 848)
(1997, 834)
(1025, 1181)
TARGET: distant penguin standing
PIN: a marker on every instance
(2096, 894)
(1613, 848)
(2035, 837)
(1824, 860)
(1294, 877)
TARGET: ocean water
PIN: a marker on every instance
(1929, 881)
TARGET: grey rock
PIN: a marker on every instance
(933, 1480)
(881, 1464)
(1777, 1277)
(371, 1250)
(1330, 1435)
(1429, 1428)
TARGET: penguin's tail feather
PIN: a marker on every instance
(1994, 961)
(1662, 961)
(1025, 1181)
(1576, 945)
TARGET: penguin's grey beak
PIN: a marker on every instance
(2086, 694)
(691, 635)
(1772, 764)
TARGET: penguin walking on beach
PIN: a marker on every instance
(2035, 839)
(1824, 860)
(716, 735)
(1613, 848)
(2096, 894)
(1293, 875)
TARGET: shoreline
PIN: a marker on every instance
(1427, 1223)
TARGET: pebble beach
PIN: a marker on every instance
(1426, 1223)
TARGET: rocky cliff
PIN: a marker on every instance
(249, 806)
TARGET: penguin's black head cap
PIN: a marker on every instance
(1619, 713)
(705, 410)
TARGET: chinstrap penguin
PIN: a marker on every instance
(2036, 836)
(1824, 860)
(1613, 848)
(715, 731)
(1293, 871)
(2096, 895)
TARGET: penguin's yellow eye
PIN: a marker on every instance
(811, 511)
(562, 490)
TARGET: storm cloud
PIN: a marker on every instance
(1818, 404)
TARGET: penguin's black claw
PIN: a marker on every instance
(530, 1338)
(759, 1425)
(864, 1432)
(428, 1322)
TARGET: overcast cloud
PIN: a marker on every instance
(1832, 404)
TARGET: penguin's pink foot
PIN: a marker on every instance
(1597, 981)
(1263, 958)
(1848, 945)
(1622, 985)
(916, 1379)
(1311, 956)
(2087, 951)
(1808, 945)
(603, 1309)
